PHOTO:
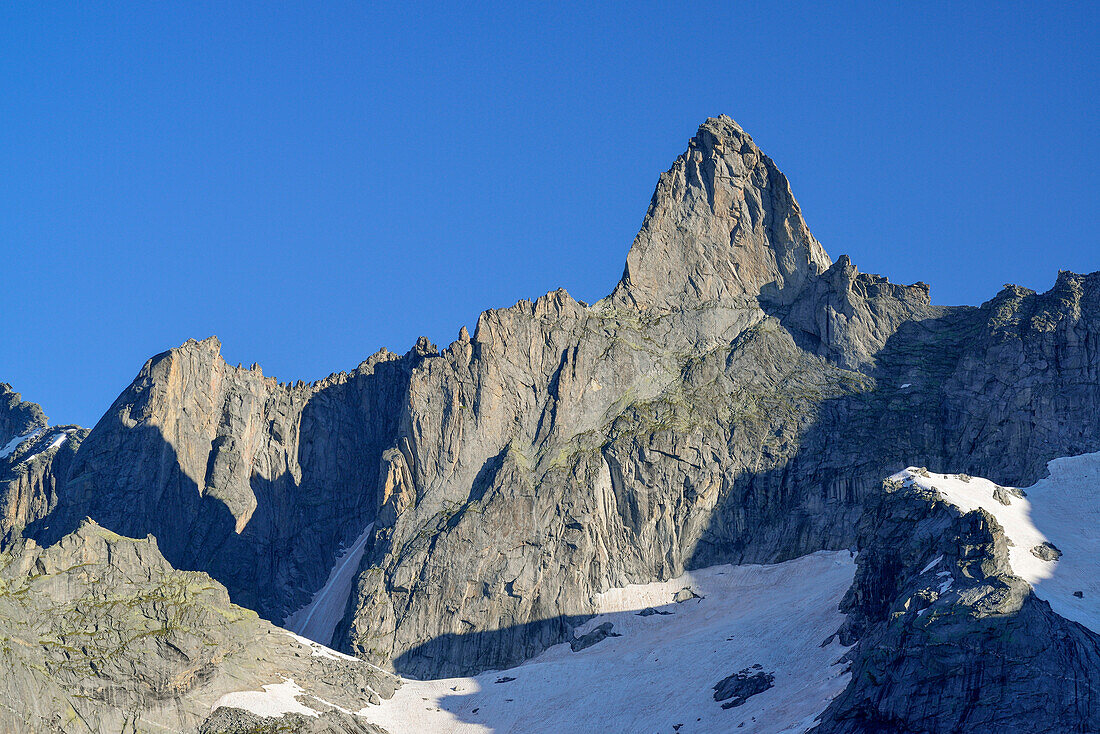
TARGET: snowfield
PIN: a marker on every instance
(658, 670)
(662, 671)
(276, 699)
(13, 444)
(1063, 510)
(658, 674)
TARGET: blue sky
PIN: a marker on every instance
(311, 181)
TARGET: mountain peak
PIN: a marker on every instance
(722, 224)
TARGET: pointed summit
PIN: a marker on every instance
(722, 223)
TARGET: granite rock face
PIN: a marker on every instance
(34, 459)
(722, 223)
(256, 482)
(17, 417)
(567, 449)
(99, 633)
(981, 653)
(737, 398)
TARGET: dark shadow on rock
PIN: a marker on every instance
(129, 479)
(979, 391)
(486, 475)
(996, 391)
(485, 647)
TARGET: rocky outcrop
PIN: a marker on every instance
(99, 633)
(736, 689)
(17, 417)
(237, 721)
(606, 438)
(1028, 381)
(722, 223)
(949, 639)
(256, 482)
(847, 316)
(34, 459)
(755, 446)
(588, 639)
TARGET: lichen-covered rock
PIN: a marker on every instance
(227, 720)
(99, 633)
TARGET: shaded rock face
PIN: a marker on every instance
(737, 398)
(979, 654)
(17, 417)
(99, 633)
(34, 459)
(746, 428)
(256, 482)
(847, 316)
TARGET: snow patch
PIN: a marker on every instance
(932, 565)
(1063, 509)
(318, 650)
(946, 584)
(277, 699)
(13, 444)
(55, 441)
(662, 669)
(318, 619)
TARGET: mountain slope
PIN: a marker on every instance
(34, 462)
(649, 663)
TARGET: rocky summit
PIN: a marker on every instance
(752, 489)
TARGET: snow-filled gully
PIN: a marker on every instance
(318, 619)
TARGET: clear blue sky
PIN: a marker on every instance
(314, 181)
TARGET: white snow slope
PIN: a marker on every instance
(661, 672)
(318, 619)
(658, 674)
(1063, 509)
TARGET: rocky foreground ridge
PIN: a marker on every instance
(99, 633)
(737, 398)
